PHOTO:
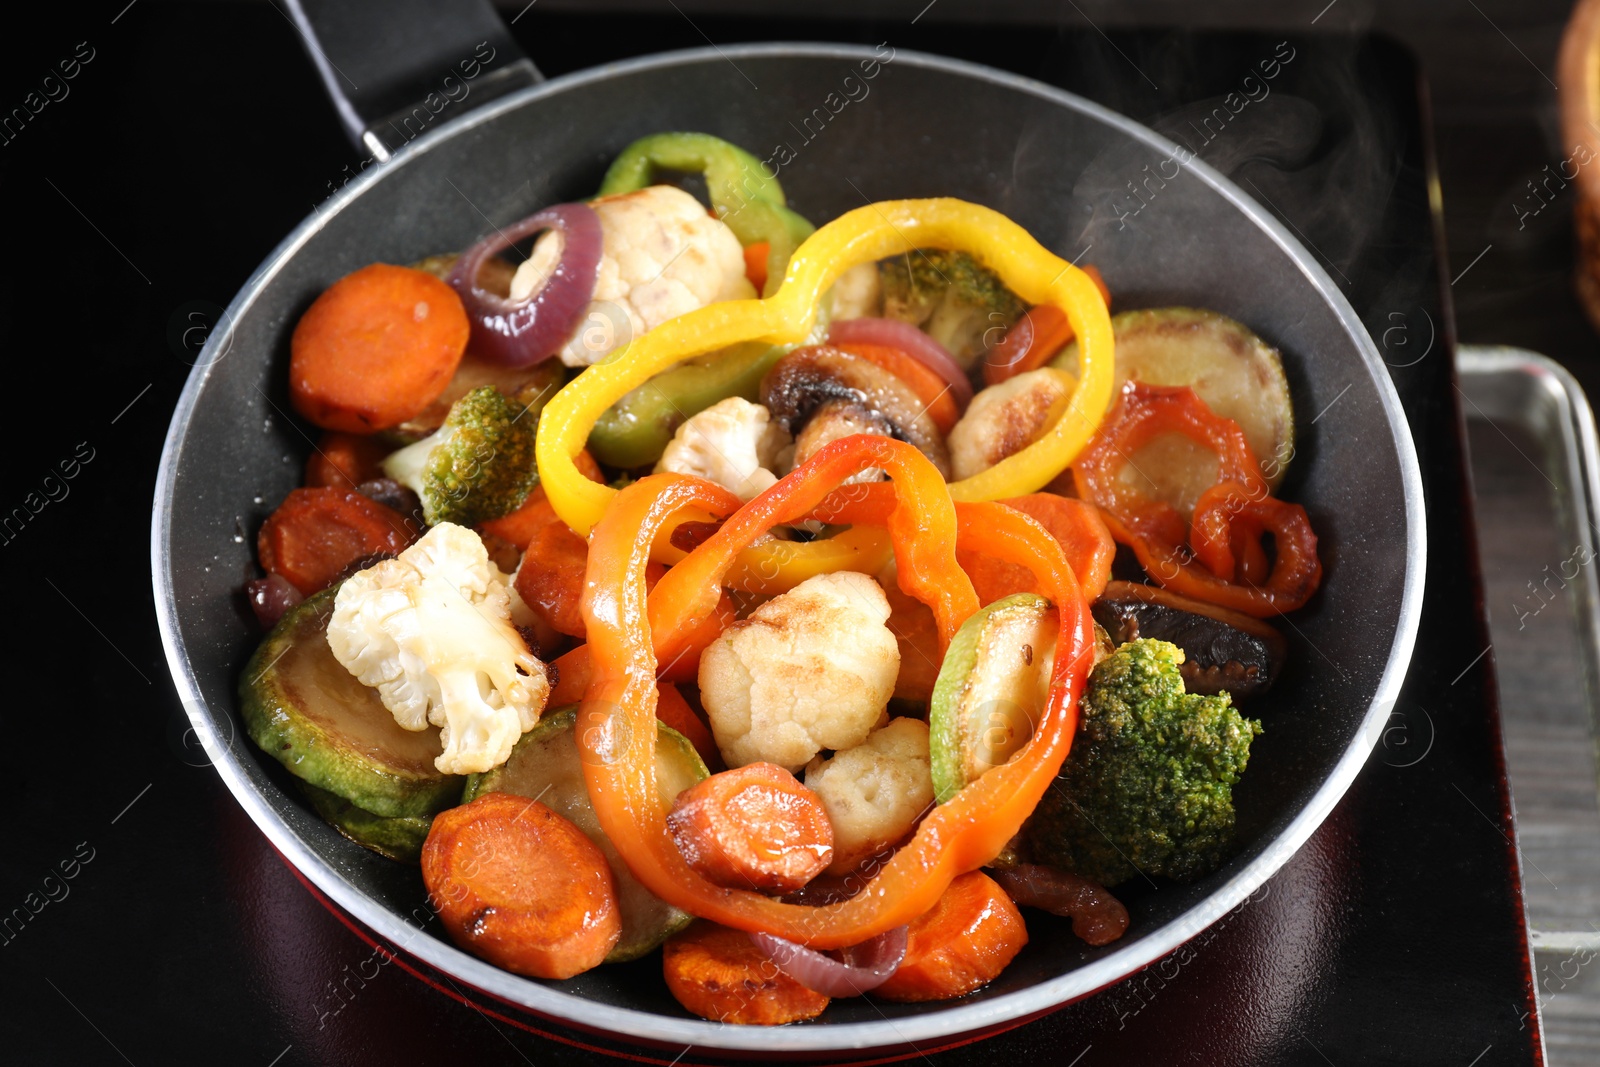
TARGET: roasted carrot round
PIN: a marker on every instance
(550, 580)
(1035, 339)
(719, 974)
(345, 460)
(554, 569)
(520, 886)
(932, 390)
(520, 526)
(673, 710)
(683, 665)
(376, 348)
(316, 533)
(571, 677)
(916, 631)
(753, 827)
(1075, 524)
(962, 944)
(755, 264)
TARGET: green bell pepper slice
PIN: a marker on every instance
(743, 194)
(635, 430)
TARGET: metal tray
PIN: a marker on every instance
(1535, 461)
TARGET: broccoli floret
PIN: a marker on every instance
(477, 466)
(955, 299)
(1148, 785)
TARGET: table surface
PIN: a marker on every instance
(195, 136)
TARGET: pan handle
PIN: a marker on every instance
(395, 68)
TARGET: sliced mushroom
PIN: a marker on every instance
(834, 419)
(855, 392)
(1223, 650)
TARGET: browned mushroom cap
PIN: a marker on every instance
(1223, 650)
(801, 382)
(834, 419)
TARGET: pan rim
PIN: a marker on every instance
(958, 1019)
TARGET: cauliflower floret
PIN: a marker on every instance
(875, 792)
(661, 256)
(1004, 419)
(808, 670)
(431, 631)
(733, 442)
(857, 293)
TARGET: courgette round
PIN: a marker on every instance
(1236, 373)
(991, 689)
(397, 838)
(310, 714)
(546, 766)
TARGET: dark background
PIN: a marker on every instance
(191, 143)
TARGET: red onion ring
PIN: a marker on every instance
(865, 966)
(521, 333)
(913, 342)
(1097, 917)
(271, 598)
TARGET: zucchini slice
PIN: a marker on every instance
(1236, 373)
(546, 766)
(993, 685)
(397, 838)
(310, 714)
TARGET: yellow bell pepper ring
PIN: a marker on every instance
(873, 232)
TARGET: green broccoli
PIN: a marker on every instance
(1148, 785)
(955, 299)
(477, 466)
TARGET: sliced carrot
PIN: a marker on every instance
(917, 633)
(550, 580)
(1075, 524)
(572, 677)
(684, 665)
(588, 466)
(345, 460)
(674, 710)
(931, 389)
(962, 944)
(719, 974)
(316, 533)
(520, 526)
(755, 264)
(520, 886)
(754, 827)
(1036, 339)
(376, 348)
(1099, 282)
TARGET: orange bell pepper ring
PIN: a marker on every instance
(626, 633)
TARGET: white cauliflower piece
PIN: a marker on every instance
(857, 293)
(733, 442)
(661, 256)
(808, 670)
(876, 792)
(431, 631)
(1004, 419)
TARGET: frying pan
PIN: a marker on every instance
(1076, 175)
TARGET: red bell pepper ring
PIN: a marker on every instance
(1219, 558)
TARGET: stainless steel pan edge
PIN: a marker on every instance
(944, 1023)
